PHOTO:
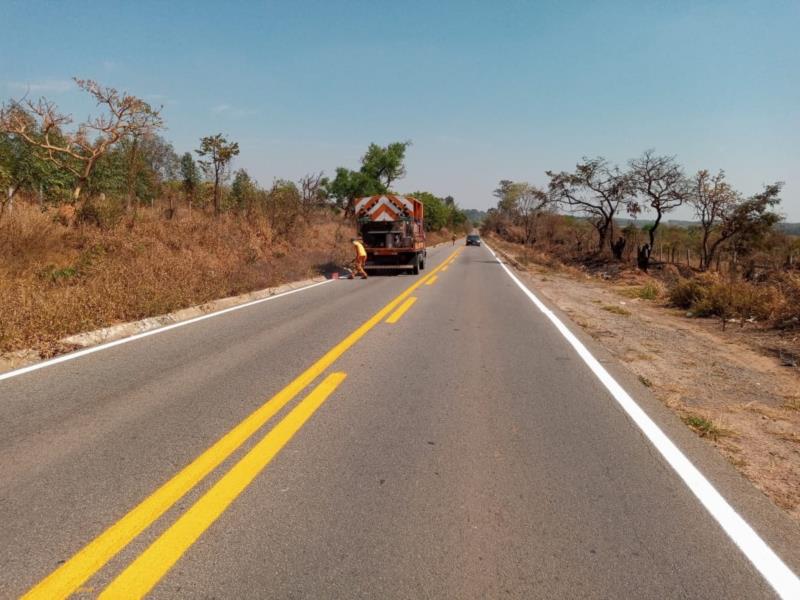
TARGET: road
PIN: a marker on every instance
(307, 448)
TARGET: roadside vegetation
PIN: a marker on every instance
(103, 221)
(737, 262)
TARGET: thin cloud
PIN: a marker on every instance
(160, 99)
(232, 111)
(51, 86)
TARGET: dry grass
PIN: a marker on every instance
(617, 310)
(56, 281)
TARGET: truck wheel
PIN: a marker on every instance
(422, 263)
(415, 266)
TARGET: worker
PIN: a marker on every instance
(454, 239)
(361, 257)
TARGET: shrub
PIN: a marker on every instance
(649, 291)
(686, 293)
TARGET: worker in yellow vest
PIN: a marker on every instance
(361, 257)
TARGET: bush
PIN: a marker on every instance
(709, 296)
(686, 293)
(649, 291)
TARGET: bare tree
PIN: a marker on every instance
(218, 153)
(661, 186)
(712, 198)
(313, 191)
(529, 203)
(595, 189)
(77, 152)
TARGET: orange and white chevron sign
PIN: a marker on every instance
(385, 207)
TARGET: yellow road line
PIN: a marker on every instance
(146, 571)
(444, 268)
(432, 280)
(86, 562)
(395, 316)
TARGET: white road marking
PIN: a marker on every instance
(138, 336)
(763, 558)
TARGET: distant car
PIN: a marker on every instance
(473, 240)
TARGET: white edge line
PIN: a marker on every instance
(763, 558)
(138, 336)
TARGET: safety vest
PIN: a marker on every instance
(360, 248)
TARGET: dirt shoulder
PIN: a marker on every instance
(730, 387)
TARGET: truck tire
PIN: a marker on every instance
(415, 265)
(422, 262)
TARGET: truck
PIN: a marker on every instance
(393, 232)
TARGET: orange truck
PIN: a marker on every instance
(393, 232)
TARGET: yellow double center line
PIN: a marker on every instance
(91, 558)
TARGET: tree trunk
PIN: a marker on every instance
(652, 231)
(216, 193)
(705, 258)
(131, 176)
(602, 234)
(643, 257)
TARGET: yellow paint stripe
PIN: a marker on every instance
(146, 571)
(395, 316)
(432, 280)
(444, 268)
(86, 562)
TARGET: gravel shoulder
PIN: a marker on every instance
(729, 386)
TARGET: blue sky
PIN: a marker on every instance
(485, 90)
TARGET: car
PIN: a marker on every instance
(473, 240)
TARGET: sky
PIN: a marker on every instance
(484, 90)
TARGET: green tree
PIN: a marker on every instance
(385, 164)
(25, 168)
(217, 154)
(283, 207)
(348, 185)
(380, 166)
(190, 177)
(41, 125)
(747, 221)
(439, 214)
(243, 190)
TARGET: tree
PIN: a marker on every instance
(502, 189)
(597, 190)
(530, 201)
(243, 190)
(661, 186)
(746, 221)
(23, 167)
(379, 168)
(436, 212)
(217, 153)
(349, 185)
(385, 165)
(190, 177)
(439, 213)
(712, 197)
(41, 125)
(283, 207)
(313, 191)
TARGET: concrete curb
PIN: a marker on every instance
(23, 358)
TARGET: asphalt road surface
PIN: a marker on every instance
(347, 441)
